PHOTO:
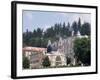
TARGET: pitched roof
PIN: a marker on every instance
(36, 49)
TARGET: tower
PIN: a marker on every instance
(61, 45)
(49, 42)
(49, 47)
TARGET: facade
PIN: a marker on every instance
(60, 51)
(63, 49)
(35, 56)
(56, 59)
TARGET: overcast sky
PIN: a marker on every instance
(34, 19)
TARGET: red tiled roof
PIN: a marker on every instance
(36, 49)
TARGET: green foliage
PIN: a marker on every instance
(82, 50)
(26, 63)
(46, 62)
(39, 38)
(79, 24)
(68, 60)
(85, 30)
(75, 27)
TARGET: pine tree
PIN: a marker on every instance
(75, 27)
(79, 24)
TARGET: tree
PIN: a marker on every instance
(39, 38)
(68, 60)
(85, 30)
(26, 37)
(64, 30)
(49, 32)
(46, 62)
(26, 63)
(82, 50)
(69, 31)
(75, 27)
(79, 24)
(39, 32)
(34, 33)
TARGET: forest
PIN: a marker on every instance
(39, 38)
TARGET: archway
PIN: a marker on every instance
(58, 61)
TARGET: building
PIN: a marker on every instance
(58, 52)
(62, 49)
(56, 59)
(35, 56)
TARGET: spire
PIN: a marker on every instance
(49, 42)
(49, 47)
(60, 42)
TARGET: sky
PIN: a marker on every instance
(43, 19)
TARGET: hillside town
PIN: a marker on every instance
(59, 52)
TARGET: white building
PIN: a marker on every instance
(58, 52)
(62, 49)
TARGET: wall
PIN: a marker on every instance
(5, 40)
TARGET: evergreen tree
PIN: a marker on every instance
(64, 30)
(46, 62)
(26, 63)
(85, 30)
(69, 31)
(39, 38)
(75, 27)
(79, 24)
